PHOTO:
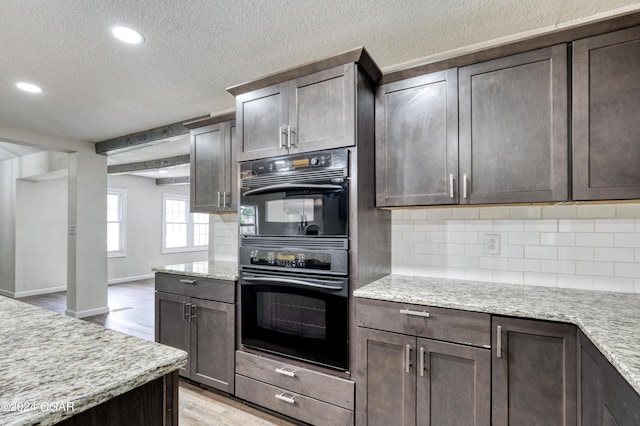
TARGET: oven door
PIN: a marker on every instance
(302, 317)
(295, 209)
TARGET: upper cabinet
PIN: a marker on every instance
(417, 140)
(606, 108)
(308, 108)
(214, 177)
(514, 128)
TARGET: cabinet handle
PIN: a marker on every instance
(421, 361)
(290, 131)
(218, 198)
(464, 186)
(499, 341)
(423, 314)
(407, 358)
(285, 372)
(290, 399)
(282, 134)
(451, 183)
(193, 312)
(224, 199)
(185, 310)
(187, 281)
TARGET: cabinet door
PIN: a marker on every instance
(209, 168)
(322, 110)
(453, 385)
(212, 343)
(261, 116)
(513, 128)
(386, 378)
(171, 326)
(533, 373)
(417, 140)
(590, 387)
(606, 107)
(233, 175)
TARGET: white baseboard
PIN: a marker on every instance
(37, 292)
(127, 279)
(87, 313)
(7, 293)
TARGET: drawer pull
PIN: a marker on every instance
(187, 281)
(282, 397)
(424, 314)
(286, 372)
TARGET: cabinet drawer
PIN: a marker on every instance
(291, 404)
(324, 387)
(471, 328)
(203, 288)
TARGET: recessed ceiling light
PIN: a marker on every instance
(127, 35)
(28, 87)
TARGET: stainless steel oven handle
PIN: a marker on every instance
(292, 186)
(292, 281)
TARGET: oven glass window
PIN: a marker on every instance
(292, 314)
(291, 210)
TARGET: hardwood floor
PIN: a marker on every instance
(131, 311)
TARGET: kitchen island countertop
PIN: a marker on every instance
(51, 361)
(610, 320)
(219, 270)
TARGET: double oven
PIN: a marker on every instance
(294, 264)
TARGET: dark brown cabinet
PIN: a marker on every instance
(409, 379)
(606, 107)
(417, 140)
(202, 326)
(309, 113)
(533, 372)
(214, 175)
(514, 128)
(604, 397)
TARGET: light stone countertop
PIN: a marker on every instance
(218, 270)
(51, 358)
(610, 320)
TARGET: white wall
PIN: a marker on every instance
(87, 217)
(573, 246)
(143, 233)
(41, 236)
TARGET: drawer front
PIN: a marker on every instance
(319, 386)
(451, 325)
(203, 288)
(291, 404)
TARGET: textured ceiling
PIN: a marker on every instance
(96, 88)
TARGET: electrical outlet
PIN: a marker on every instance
(492, 244)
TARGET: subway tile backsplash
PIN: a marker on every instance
(573, 246)
(595, 247)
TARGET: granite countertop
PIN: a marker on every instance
(218, 270)
(48, 358)
(610, 320)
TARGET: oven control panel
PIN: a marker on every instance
(291, 259)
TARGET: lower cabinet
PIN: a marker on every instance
(533, 372)
(604, 397)
(204, 328)
(404, 380)
(419, 365)
(302, 394)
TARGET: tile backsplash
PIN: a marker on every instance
(575, 246)
(581, 246)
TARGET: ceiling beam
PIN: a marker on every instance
(149, 165)
(173, 181)
(144, 138)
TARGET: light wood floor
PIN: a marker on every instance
(131, 311)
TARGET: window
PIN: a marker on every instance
(183, 231)
(115, 222)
